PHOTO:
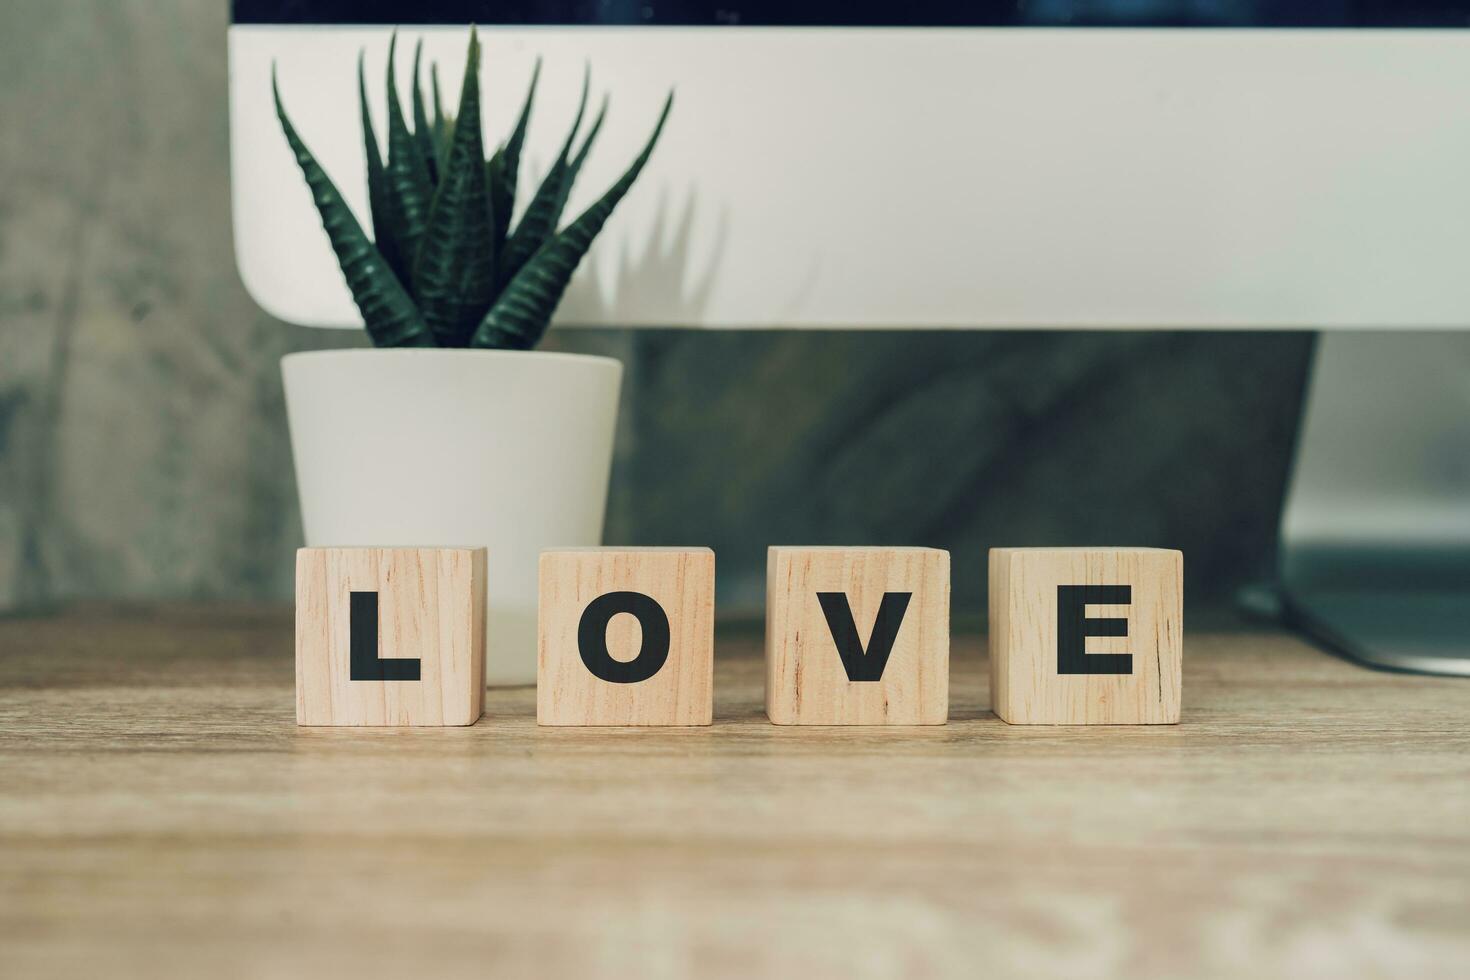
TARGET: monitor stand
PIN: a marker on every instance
(1375, 535)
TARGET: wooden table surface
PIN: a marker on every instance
(162, 815)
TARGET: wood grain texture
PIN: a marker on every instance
(430, 608)
(806, 680)
(1027, 686)
(682, 582)
(161, 815)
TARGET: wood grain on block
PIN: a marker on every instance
(857, 636)
(626, 637)
(1086, 636)
(390, 636)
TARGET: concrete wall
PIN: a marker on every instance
(143, 448)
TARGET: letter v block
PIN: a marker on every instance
(390, 636)
(627, 637)
(1086, 636)
(857, 636)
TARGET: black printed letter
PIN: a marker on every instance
(1073, 629)
(362, 627)
(864, 665)
(592, 637)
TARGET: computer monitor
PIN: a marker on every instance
(1165, 164)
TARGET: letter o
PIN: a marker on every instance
(592, 637)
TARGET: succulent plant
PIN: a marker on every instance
(444, 267)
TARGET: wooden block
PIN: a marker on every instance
(1086, 636)
(857, 636)
(390, 636)
(627, 637)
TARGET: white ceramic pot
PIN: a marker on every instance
(506, 449)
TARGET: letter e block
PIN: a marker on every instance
(627, 637)
(857, 636)
(1086, 636)
(390, 636)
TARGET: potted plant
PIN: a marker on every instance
(454, 431)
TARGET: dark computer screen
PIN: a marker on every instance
(867, 13)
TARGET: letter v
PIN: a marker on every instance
(860, 664)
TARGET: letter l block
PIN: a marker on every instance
(390, 636)
(626, 637)
(1086, 636)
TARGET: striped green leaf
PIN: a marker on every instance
(575, 167)
(388, 312)
(505, 166)
(520, 316)
(409, 189)
(439, 128)
(377, 184)
(423, 133)
(538, 224)
(454, 273)
(494, 176)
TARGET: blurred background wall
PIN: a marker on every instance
(143, 445)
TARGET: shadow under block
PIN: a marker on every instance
(834, 614)
(1086, 636)
(390, 636)
(626, 637)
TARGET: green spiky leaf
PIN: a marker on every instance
(454, 273)
(504, 166)
(409, 189)
(575, 167)
(377, 184)
(445, 144)
(423, 134)
(499, 206)
(521, 314)
(388, 312)
(538, 224)
(440, 132)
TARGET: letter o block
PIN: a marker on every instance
(1086, 636)
(857, 636)
(627, 637)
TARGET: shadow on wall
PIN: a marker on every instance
(663, 270)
